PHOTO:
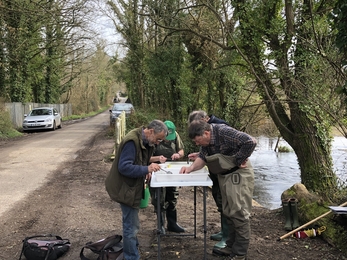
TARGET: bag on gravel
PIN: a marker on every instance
(44, 247)
(110, 248)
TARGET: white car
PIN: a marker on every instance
(42, 118)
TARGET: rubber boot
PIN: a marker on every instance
(286, 212)
(162, 223)
(225, 233)
(171, 216)
(294, 211)
(218, 236)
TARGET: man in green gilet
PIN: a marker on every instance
(126, 179)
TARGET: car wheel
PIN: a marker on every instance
(54, 126)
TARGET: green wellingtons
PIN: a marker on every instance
(224, 233)
(290, 211)
(286, 212)
(217, 236)
(294, 212)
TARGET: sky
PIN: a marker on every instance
(107, 31)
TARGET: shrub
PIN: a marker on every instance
(6, 127)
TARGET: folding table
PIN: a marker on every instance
(195, 179)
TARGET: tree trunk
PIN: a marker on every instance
(314, 155)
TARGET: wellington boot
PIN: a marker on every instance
(217, 237)
(162, 223)
(171, 216)
(294, 211)
(225, 251)
(225, 233)
(286, 212)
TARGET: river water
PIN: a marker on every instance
(275, 172)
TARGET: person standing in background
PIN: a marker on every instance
(223, 235)
(226, 152)
(169, 149)
(125, 181)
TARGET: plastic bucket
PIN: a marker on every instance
(144, 201)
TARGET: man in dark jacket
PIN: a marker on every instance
(171, 148)
(125, 181)
(223, 235)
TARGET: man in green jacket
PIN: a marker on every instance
(125, 181)
(170, 149)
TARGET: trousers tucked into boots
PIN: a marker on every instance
(168, 201)
(217, 196)
(171, 216)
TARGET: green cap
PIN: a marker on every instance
(171, 130)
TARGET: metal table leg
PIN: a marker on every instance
(205, 222)
(194, 211)
(159, 233)
(158, 219)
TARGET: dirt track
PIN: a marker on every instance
(26, 163)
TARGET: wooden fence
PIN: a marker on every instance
(18, 109)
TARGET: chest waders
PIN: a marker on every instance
(236, 185)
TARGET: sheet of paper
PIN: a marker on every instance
(339, 210)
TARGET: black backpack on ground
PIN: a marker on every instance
(110, 248)
(44, 247)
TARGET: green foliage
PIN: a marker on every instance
(284, 149)
(6, 127)
(339, 17)
(40, 49)
(141, 118)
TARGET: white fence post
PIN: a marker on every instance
(119, 130)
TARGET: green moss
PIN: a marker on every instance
(284, 149)
(290, 192)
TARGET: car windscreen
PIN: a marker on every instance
(40, 112)
(122, 106)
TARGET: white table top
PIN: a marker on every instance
(183, 182)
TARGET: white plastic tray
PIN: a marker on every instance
(176, 164)
(195, 178)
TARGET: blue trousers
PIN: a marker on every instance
(131, 225)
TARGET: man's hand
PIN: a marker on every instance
(193, 156)
(153, 167)
(185, 170)
(162, 159)
(244, 164)
(175, 156)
